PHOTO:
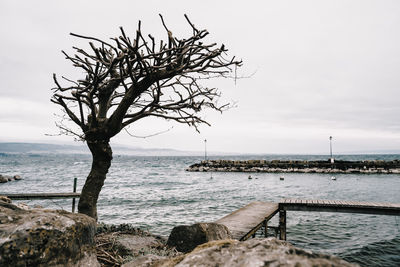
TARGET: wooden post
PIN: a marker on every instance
(265, 228)
(73, 200)
(282, 224)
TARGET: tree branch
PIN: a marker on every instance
(127, 80)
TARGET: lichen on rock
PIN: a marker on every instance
(254, 252)
(39, 237)
(186, 237)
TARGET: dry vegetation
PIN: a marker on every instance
(111, 250)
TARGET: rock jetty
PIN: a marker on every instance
(299, 166)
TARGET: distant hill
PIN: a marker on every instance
(40, 148)
(82, 149)
(371, 152)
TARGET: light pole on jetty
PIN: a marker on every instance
(330, 145)
(205, 149)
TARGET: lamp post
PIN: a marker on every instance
(205, 149)
(330, 144)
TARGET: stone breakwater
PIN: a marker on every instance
(299, 166)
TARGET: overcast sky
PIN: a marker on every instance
(322, 68)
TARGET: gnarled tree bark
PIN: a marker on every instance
(101, 162)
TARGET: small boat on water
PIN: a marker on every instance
(333, 178)
(250, 177)
(282, 178)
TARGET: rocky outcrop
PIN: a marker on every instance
(299, 166)
(149, 260)
(39, 237)
(186, 237)
(8, 178)
(253, 252)
(256, 252)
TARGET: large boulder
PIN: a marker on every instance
(253, 252)
(257, 252)
(149, 261)
(5, 199)
(3, 179)
(186, 237)
(40, 237)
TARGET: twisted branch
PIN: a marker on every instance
(127, 80)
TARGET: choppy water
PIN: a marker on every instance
(155, 193)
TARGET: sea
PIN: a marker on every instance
(156, 194)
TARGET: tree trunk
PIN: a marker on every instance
(101, 162)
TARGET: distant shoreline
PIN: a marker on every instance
(298, 166)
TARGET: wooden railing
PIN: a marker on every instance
(319, 205)
(35, 196)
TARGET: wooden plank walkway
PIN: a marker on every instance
(244, 222)
(320, 205)
(41, 196)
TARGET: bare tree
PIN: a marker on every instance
(130, 79)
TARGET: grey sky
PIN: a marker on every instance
(322, 68)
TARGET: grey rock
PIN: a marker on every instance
(134, 243)
(38, 237)
(88, 260)
(146, 261)
(8, 178)
(5, 199)
(3, 179)
(255, 252)
(186, 237)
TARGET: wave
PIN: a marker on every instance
(383, 253)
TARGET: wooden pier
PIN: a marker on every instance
(35, 196)
(31, 196)
(340, 206)
(246, 221)
(318, 205)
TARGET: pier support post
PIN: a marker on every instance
(73, 200)
(282, 224)
(265, 228)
